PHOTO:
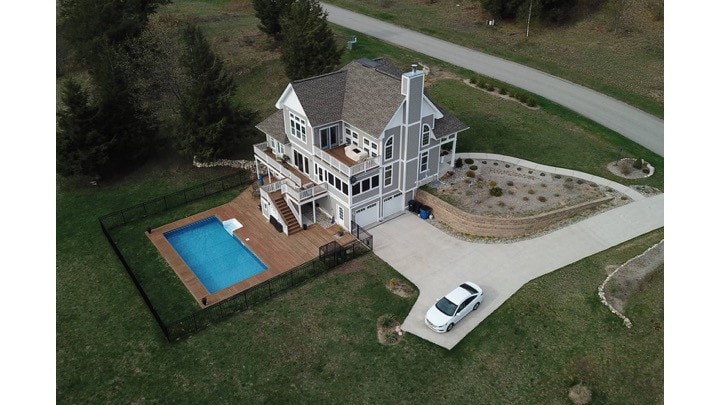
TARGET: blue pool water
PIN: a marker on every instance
(217, 258)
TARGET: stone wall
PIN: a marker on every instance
(237, 164)
(497, 227)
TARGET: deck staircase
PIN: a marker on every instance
(287, 215)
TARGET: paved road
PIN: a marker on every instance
(639, 126)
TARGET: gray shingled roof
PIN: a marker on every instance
(365, 93)
(274, 126)
(448, 124)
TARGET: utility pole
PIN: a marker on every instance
(527, 33)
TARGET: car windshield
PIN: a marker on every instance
(446, 307)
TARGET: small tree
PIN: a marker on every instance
(309, 46)
(269, 13)
(209, 124)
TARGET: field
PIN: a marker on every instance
(318, 343)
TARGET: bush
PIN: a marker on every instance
(542, 198)
(496, 192)
(531, 191)
(503, 91)
(646, 170)
(473, 167)
(638, 164)
(557, 176)
(525, 199)
(532, 102)
(510, 183)
(469, 161)
(493, 183)
(470, 173)
(625, 169)
(458, 163)
(474, 80)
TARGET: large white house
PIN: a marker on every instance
(355, 143)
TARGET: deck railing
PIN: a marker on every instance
(345, 169)
(270, 161)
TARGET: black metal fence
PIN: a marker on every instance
(361, 234)
(328, 258)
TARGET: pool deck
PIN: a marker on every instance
(278, 251)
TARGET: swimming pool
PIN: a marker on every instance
(217, 258)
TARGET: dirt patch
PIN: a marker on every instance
(388, 330)
(399, 287)
(498, 189)
(580, 394)
(629, 278)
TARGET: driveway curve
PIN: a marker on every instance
(635, 124)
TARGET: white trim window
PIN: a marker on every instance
(424, 161)
(297, 127)
(389, 148)
(341, 213)
(426, 135)
(370, 147)
(388, 176)
(351, 137)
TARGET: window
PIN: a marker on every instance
(297, 127)
(341, 213)
(370, 147)
(366, 184)
(388, 176)
(426, 135)
(351, 137)
(389, 148)
(328, 137)
(423, 162)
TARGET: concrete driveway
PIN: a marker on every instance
(635, 124)
(436, 262)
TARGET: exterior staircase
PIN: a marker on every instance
(287, 215)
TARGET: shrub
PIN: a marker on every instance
(542, 198)
(493, 183)
(458, 163)
(532, 102)
(531, 191)
(530, 172)
(470, 173)
(496, 192)
(568, 185)
(646, 170)
(557, 176)
(542, 174)
(495, 163)
(503, 91)
(469, 161)
(507, 166)
(580, 181)
(525, 199)
(511, 192)
(556, 195)
(391, 337)
(473, 167)
(625, 169)
(543, 185)
(501, 204)
(638, 164)
(388, 321)
(468, 181)
(510, 183)
(474, 80)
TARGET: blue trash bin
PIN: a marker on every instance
(424, 212)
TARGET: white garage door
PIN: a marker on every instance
(367, 215)
(392, 204)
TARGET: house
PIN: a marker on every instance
(355, 143)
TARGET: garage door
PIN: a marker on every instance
(392, 204)
(367, 215)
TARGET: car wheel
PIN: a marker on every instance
(449, 328)
(477, 304)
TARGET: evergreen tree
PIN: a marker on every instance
(103, 34)
(80, 148)
(309, 46)
(210, 125)
(269, 13)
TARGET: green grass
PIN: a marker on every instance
(317, 343)
(628, 66)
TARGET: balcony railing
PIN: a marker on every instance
(270, 161)
(287, 187)
(371, 163)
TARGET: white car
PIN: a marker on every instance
(453, 307)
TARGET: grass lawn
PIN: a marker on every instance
(318, 343)
(627, 65)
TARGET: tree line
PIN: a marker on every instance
(109, 123)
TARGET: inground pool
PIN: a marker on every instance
(217, 258)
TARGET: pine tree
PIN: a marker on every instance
(80, 148)
(269, 13)
(309, 46)
(210, 125)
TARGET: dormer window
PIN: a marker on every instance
(297, 127)
(426, 135)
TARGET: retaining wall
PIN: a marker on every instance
(478, 225)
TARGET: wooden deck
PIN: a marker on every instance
(278, 251)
